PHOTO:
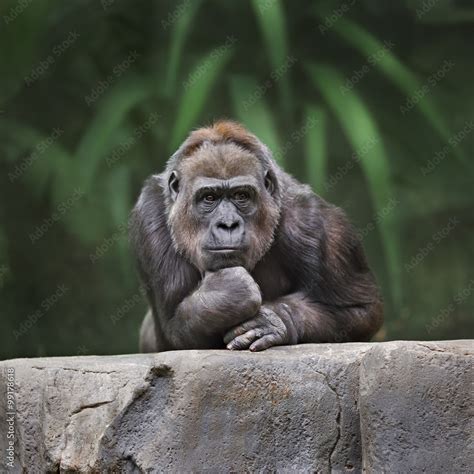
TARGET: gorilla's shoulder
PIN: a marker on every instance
(149, 212)
(298, 198)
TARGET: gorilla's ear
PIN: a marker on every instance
(270, 182)
(173, 185)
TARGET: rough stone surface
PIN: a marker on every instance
(288, 409)
(416, 407)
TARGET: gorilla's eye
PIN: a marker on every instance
(241, 196)
(209, 198)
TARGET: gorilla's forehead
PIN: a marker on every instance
(220, 161)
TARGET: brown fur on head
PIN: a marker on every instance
(223, 151)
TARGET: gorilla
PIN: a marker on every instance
(235, 253)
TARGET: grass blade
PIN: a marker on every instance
(396, 72)
(361, 130)
(111, 111)
(198, 87)
(271, 19)
(258, 118)
(181, 30)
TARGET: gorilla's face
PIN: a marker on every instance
(224, 213)
(226, 210)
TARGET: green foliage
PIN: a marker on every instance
(395, 71)
(257, 117)
(366, 140)
(271, 19)
(198, 88)
(180, 32)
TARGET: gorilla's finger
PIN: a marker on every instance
(264, 343)
(239, 330)
(243, 341)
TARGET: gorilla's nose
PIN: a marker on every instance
(229, 225)
(228, 232)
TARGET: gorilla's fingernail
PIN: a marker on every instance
(230, 346)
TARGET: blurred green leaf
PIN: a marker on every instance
(366, 140)
(197, 88)
(112, 109)
(181, 30)
(120, 204)
(315, 147)
(255, 115)
(396, 71)
(20, 43)
(39, 155)
(119, 195)
(271, 19)
(272, 23)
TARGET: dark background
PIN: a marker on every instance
(370, 102)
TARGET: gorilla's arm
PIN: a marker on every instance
(334, 296)
(223, 298)
(188, 312)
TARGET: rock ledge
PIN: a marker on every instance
(379, 407)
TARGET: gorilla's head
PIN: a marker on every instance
(223, 198)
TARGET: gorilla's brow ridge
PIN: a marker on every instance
(248, 183)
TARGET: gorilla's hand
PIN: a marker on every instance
(267, 329)
(230, 294)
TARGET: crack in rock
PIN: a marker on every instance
(338, 416)
(91, 405)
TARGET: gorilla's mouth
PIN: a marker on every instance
(224, 249)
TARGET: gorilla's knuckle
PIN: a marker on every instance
(237, 271)
(254, 300)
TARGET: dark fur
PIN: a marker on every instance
(303, 279)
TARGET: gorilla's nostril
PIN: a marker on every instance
(228, 225)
